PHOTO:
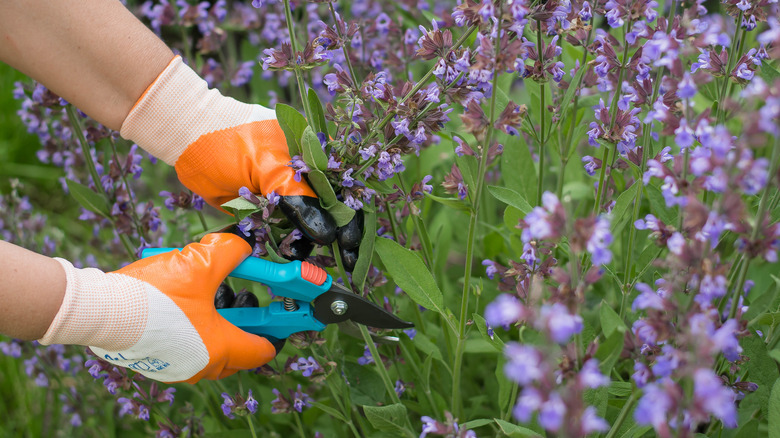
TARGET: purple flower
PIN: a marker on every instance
(366, 358)
(590, 376)
(556, 320)
(306, 366)
(592, 423)
(551, 413)
(524, 363)
(251, 404)
(243, 75)
(228, 405)
(527, 403)
(505, 310)
(598, 244)
(299, 166)
(400, 387)
(713, 397)
(647, 298)
(301, 399)
(654, 406)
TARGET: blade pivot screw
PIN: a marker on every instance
(339, 307)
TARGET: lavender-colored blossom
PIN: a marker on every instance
(552, 412)
(556, 320)
(647, 298)
(599, 241)
(306, 366)
(686, 89)
(590, 376)
(504, 311)
(654, 407)
(524, 363)
(527, 403)
(713, 397)
(251, 404)
(228, 405)
(592, 423)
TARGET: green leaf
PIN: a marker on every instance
(623, 205)
(518, 169)
(510, 197)
(366, 250)
(313, 154)
(569, 96)
(763, 302)
(769, 73)
(410, 273)
(340, 212)
(292, 124)
(761, 369)
(273, 256)
(608, 353)
(422, 343)
(389, 418)
(774, 410)
(578, 190)
(771, 319)
(468, 168)
(513, 430)
(241, 208)
(455, 203)
(329, 410)
(473, 424)
(495, 341)
(610, 320)
(620, 389)
(381, 186)
(658, 205)
(365, 384)
(89, 199)
(317, 113)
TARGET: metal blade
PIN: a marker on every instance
(340, 304)
(350, 328)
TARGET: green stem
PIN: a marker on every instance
(604, 158)
(299, 424)
(422, 233)
(251, 426)
(567, 144)
(343, 45)
(134, 213)
(85, 151)
(540, 51)
(762, 208)
(296, 67)
(623, 415)
(732, 60)
(456, 401)
(202, 220)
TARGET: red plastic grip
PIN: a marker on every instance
(313, 274)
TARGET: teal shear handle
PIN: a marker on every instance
(285, 280)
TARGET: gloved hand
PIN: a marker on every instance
(157, 315)
(219, 145)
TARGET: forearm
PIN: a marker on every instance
(31, 293)
(93, 53)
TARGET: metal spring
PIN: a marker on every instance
(289, 305)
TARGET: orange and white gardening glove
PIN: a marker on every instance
(157, 315)
(218, 145)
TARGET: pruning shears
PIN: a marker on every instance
(312, 300)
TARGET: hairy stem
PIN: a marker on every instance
(762, 208)
(732, 54)
(297, 68)
(85, 150)
(623, 415)
(456, 401)
(540, 184)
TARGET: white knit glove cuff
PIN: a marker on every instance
(178, 108)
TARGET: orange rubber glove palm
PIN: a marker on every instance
(157, 315)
